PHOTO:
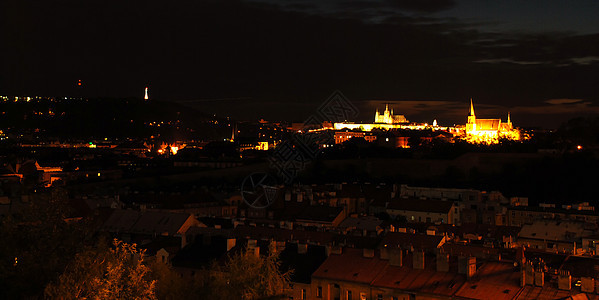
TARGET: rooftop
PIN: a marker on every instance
(425, 281)
(352, 266)
(554, 230)
(494, 280)
(409, 240)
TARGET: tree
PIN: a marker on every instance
(105, 273)
(36, 243)
(170, 285)
(248, 276)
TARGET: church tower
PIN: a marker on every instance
(471, 125)
(509, 122)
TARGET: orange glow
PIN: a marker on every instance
(489, 131)
(263, 146)
(174, 150)
(579, 147)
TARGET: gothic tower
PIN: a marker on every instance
(471, 125)
(509, 122)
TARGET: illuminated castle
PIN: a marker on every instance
(388, 117)
(387, 121)
(489, 130)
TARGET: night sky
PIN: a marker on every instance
(281, 59)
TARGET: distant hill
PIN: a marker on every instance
(100, 118)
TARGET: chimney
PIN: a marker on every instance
(231, 243)
(530, 273)
(302, 248)
(418, 259)
(471, 267)
(587, 284)
(564, 280)
(442, 262)
(467, 266)
(368, 253)
(395, 257)
(539, 277)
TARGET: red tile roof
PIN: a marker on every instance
(424, 281)
(351, 266)
(494, 280)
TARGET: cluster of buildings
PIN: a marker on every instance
(362, 240)
(476, 130)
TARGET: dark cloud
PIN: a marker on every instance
(426, 6)
(420, 6)
(276, 57)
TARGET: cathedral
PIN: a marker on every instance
(388, 117)
(386, 121)
(489, 130)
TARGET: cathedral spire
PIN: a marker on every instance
(471, 108)
(509, 120)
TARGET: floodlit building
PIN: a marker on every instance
(388, 117)
(489, 131)
(387, 120)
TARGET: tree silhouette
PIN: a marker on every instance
(105, 273)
